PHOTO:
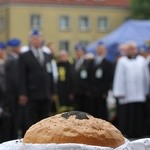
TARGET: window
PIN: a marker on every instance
(84, 43)
(64, 23)
(103, 23)
(64, 45)
(35, 21)
(2, 24)
(83, 23)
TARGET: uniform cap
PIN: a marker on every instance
(2, 45)
(35, 33)
(79, 47)
(14, 42)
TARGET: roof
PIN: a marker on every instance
(130, 30)
(116, 3)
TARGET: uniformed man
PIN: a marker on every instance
(35, 76)
(12, 83)
(82, 91)
(5, 119)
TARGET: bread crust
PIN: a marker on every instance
(74, 127)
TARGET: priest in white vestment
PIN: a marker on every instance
(130, 87)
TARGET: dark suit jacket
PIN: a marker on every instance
(12, 77)
(101, 77)
(2, 83)
(82, 79)
(35, 79)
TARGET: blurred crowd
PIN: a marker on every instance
(37, 81)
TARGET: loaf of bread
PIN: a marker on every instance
(74, 127)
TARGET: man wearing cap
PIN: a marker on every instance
(2, 70)
(12, 82)
(36, 81)
(5, 119)
(82, 94)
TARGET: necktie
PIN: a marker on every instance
(98, 60)
(79, 63)
(40, 57)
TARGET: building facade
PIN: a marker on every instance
(63, 22)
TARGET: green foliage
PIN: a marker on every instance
(140, 9)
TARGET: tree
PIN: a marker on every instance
(140, 9)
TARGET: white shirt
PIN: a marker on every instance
(44, 49)
(98, 59)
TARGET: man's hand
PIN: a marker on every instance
(1, 111)
(23, 99)
(53, 97)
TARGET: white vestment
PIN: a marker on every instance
(131, 80)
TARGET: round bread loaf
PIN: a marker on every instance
(74, 127)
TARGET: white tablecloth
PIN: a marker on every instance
(141, 144)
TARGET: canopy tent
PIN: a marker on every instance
(131, 30)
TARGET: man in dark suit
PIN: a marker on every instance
(12, 83)
(82, 91)
(101, 80)
(2, 71)
(5, 121)
(36, 80)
